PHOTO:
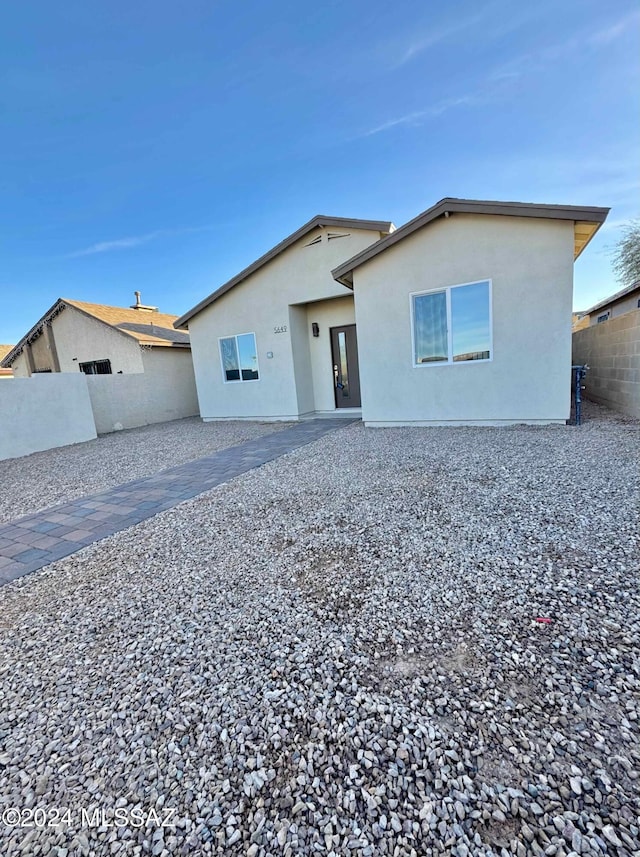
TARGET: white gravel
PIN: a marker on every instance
(44, 479)
(337, 654)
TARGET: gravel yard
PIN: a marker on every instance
(85, 468)
(338, 654)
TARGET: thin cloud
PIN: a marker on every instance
(440, 34)
(500, 26)
(609, 34)
(588, 39)
(132, 241)
(419, 116)
(117, 244)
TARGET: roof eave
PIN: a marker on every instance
(19, 346)
(449, 205)
(614, 298)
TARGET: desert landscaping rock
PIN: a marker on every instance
(37, 481)
(339, 654)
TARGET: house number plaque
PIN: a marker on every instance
(280, 328)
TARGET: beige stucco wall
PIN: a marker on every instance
(83, 338)
(259, 305)
(164, 391)
(43, 359)
(20, 367)
(530, 263)
(43, 412)
(612, 352)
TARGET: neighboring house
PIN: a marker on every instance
(607, 340)
(460, 316)
(75, 336)
(4, 350)
(621, 302)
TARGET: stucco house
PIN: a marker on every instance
(621, 302)
(461, 316)
(5, 372)
(76, 336)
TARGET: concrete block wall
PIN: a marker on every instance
(612, 351)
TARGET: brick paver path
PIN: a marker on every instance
(34, 541)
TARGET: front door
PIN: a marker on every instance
(346, 376)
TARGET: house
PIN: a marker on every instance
(621, 302)
(607, 340)
(75, 336)
(461, 316)
(4, 350)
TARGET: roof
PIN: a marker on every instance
(628, 290)
(316, 222)
(147, 328)
(587, 221)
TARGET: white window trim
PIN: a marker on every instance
(450, 361)
(240, 380)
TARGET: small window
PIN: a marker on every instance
(603, 317)
(452, 325)
(239, 357)
(96, 367)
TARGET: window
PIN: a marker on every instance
(239, 358)
(96, 367)
(603, 317)
(452, 325)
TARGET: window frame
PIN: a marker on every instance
(447, 290)
(94, 364)
(240, 380)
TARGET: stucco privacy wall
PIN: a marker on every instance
(43, 412)
(530, 263)
(612, 352)
(164, 391)
(260, 305)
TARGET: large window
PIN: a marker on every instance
(452, 325)
(239, 357)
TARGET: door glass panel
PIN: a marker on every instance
(430, 328)
(342, 356)
(248, 357)
(470, 322)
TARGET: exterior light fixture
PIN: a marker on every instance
(315, 329)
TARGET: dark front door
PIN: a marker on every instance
(346, 376)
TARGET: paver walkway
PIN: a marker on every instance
(34, 541)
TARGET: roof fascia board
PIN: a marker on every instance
(19, 346)
(592, 214)
(316, 222)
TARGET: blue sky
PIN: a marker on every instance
(163, 146)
